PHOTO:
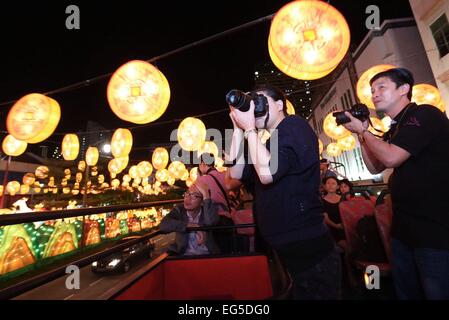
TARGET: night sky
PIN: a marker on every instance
(38, 54)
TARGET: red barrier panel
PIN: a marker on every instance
(230, 278)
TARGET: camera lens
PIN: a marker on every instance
(238, 100)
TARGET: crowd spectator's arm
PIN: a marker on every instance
(172, 222)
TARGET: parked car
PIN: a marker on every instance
(123, 261)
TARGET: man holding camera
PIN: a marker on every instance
(283, 175)
(417, 147)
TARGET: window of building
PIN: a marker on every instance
(350, 98)
(440, 32)
(346, 100)
(342, 103)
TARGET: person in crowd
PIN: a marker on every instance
(209, 175)
(197, 210)
(417, 147)
(284, 177)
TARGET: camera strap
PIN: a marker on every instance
(381, 132)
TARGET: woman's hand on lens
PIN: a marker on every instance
(245, 120)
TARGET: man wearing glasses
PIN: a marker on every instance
(197, 210)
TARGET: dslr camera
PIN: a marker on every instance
(241, 101)
(359, 111)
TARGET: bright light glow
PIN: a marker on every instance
(107, 148)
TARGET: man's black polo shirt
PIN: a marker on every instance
(420, 186)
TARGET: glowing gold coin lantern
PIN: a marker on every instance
(13, 187)
(121, 143)
(346, 144)
(33, 118)
(308, 39)
(100, 179)
(333, 130)
(176, 169)
(290, 108)
(193, 174)
(70, 147)
(13, 147)
(24, 189)
(144, 169)
(82, 165)
(191, 134)
(426, 94)
(377, 126)
(333, 149)
(364, 87)
(115, 183)
(138, 92)
(28, 178)
(92, 156)
(208, 147)
(133, 173)
(160, 158)
(41, 172)
(162, 175)
(122, 162)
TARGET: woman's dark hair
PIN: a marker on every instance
(274, 93)
(330, 177)
(399, 76)
(348, 183)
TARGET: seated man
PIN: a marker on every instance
(197, 210)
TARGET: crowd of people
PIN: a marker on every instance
(296, 202)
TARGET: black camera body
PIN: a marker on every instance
(359, 111)
(241, 101)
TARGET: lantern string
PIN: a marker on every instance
(91, 81)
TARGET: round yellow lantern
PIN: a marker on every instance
(122, 162)
(333, 130)
(290, 108)
(13, 147)
(320, 146)
(308, 39)
(41, 172)
(100, 179)
(377, 125)
(33, 118)
(114, 166)
(37, 189)
(54, 190)
(64, 182)
(115, 183)
(176, 169)
(82, 165)
(67, 172)
(171, 181)
(441, 106)
(191, 134)
(333, 149)
(189, 182)
(65, 190)
(426, 94)
(121, 143)
(208, 147)
(137, 181)
(92, 156)
(13, 187)
(105, 185)
(144, 169)
(28, 178)
(24, 189)
(70, 147)
(126, 178)
(79, 177)
(75, 192)
(51, 182)
(386, 123)
(145, 181)
(160, 158)
(162, 175)
(346, 144)
(364, 87)
(185, 175)
(133, 173)
(193, 174)
(138, 92)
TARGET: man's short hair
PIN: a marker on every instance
(399, 76)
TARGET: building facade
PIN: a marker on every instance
(432, 20)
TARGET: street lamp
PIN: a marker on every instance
(107, 148)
